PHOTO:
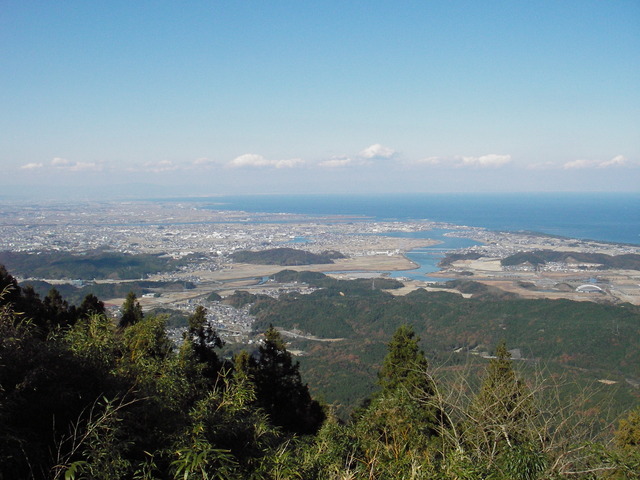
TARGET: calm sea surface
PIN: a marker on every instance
(599, 216)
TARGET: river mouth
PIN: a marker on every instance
(427, 258)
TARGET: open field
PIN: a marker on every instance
(243, 276)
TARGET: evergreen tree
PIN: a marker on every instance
(8, 288)
(627, 440)
(204, 337)
(198, 349)
(94, 339)
(131, 311)
(57, 312)
(503, 399)
(31, 305)
(502, 431)
(242, 364)
(279, 388)
(45, 390)
(395, 431)
(91, 305)
(25, 302)
(147, 341)
(405, 365)
(395, 434)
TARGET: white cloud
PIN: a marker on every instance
(169, 166)
(85, 167)
(60, 162)
(203, 162)
(617, 161)
(336, 162)
(32, 166)
(255, 160)
(377, 151)
(576, 164)
(489, 160)
(289, 163)
(159, 167)
(249, 160)
(363, 158)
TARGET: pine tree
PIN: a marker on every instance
(502, 430)
(24, 301)
(56, 310)
(131, 311)
(203, 339)
(91, 305)
(405, 364)
(503, 399)
(279, 388)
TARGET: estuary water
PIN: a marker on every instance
(428, 257)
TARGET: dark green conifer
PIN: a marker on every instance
(91, 305)
(405, 364)
(131, 311)
(204, 339)
(503, 397)
(502, 429)
(279, 388)
(57, 312)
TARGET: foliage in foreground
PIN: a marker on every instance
(82, 398)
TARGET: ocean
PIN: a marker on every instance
(610, 217)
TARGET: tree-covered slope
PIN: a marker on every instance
(628, 261)
(582, 334)
(98, 264)
(284, 256)
(601, 341)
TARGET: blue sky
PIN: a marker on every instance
(212, 97)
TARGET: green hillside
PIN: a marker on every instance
(285, 257)
(540, 257)
(75, 294)
(594, 340)
(97, 264)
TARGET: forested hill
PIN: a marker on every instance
(98, 264)
(540, 257)
(285, 257)
(85, 397)
(581, 334)
(589, 340)
(75, 294)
